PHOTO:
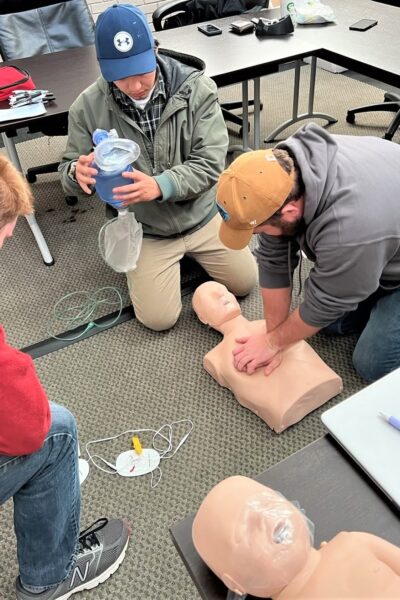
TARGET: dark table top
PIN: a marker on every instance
(334, 492)
(230, 58)
(374, 52)
(65, 73)
(391, 2)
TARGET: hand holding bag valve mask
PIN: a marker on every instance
(120, 240)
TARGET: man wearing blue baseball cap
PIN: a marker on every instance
(164, 102)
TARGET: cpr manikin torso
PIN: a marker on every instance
(300, 384)
(259, 543)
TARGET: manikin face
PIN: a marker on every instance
(137, 87)
(7, 231)
(214, 304)
(253, 539)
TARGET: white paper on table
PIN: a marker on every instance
(22, 112)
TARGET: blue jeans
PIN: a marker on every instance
(46, 494)
(377, 351)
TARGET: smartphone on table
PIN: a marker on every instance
(363, 25)
(209, 29)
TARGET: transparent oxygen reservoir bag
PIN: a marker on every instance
(120, 239)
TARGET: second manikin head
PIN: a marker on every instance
(251, 537)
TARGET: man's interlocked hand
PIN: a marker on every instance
(255, 351)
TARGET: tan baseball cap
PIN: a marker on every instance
(250, 191)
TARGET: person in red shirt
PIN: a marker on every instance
(39, 464)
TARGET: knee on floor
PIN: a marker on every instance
(242, 288)
(158, 322)
(370, 367)
(243, 285)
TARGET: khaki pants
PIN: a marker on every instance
(155, 284)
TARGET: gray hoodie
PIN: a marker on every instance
(352, 217)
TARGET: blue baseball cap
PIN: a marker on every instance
(124, 43)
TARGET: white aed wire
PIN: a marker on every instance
(162, 442)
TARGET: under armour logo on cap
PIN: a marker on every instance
(123, 41)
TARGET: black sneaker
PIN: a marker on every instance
(102, 550)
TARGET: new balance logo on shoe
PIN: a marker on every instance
(77, 572)
(102, 550)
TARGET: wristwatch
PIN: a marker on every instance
(71, 171)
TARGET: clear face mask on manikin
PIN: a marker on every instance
(142, 460)
(120, 239)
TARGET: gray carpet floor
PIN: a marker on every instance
(128, 377)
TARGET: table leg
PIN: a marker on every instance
(295, 112)
(41, 242)
(244, 146)
(257, 114)
(245, 114)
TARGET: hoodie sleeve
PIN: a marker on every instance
(343, 277)
(277, 258)
(25, 415)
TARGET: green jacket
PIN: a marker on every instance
(190, 145)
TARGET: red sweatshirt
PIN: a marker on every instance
(25, 416)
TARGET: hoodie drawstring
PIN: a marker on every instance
(290, 268)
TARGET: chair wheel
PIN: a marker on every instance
(350, 118)
(71, 200)
(31, 177)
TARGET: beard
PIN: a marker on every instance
(287, 229)
(294, 228)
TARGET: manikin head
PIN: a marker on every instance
(15, 198)
(214, 304)
(251, 537)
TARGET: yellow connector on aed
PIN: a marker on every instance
(137, 446)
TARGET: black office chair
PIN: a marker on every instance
(178, 13)
(31, 27)
(391, 104)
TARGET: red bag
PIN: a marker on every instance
(14, 78)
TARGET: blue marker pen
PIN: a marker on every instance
(391, 420)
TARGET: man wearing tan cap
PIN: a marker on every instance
(336, 198)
